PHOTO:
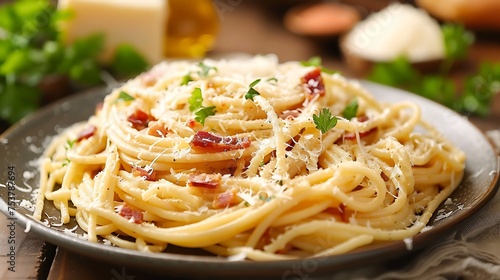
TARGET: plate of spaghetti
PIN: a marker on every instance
(245, 167)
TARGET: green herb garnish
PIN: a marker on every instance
(123, 96)
(70, 143)
(196, 105)
(32, 55)
(202, 73)
(251, 93)
(395, 73)
(186, 79)
(205, 69)
(313, 61)
(325, 121)
(316, 61)
(457, 40)
(351, 110)
(267, 199)
(128, 62)
(478, 90)
(204, 112)
(196, 100)
(31, 50)
(272, 79)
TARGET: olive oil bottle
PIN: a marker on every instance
(192, 27)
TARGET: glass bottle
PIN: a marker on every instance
(192, 27)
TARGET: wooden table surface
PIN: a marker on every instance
(262, 32)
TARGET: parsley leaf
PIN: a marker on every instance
(328, 71)
(202, 73)
(254, 83)
(125, 97)
(251, 93)
(65, 162)
(478, 90)
(17, 100)
(204, 112)
(31, 51)
(70, 143)
(186, 79)
(395, 73)
(205, 69)
(272, 79)
(313, 61)
(325, 121)
(316, 61)
(457, 40)
(127, 61)
(195, 100)
(437, 88)
(32, 56)
(80, 60)
(195, 105)
(351, 109)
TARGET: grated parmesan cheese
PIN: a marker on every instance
(448, 201)
(28, 226)
(408, 243)
(26, 204)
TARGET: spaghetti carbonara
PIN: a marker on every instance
(248, 157)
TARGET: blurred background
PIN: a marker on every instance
(447, 51)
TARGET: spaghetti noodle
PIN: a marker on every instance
(226, 156)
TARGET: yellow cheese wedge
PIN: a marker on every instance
(141, 24)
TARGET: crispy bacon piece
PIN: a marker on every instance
(86, 133)
(339, 212)
(148, 174)
(150, 78)
(265, 239)
(313, 83)
(157, 129)
(133, 215)
(204, 180)
(212, 143)
(290, 114)
(352, 135)
(286, 250)
(140, 119)
(192, 123)
(98, 107)
(225, 199)
(362, 118)
(382, 174)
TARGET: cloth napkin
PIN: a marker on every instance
(472, 252)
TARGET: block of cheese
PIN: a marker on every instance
(139, 23)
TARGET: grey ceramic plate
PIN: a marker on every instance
(21, 145)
